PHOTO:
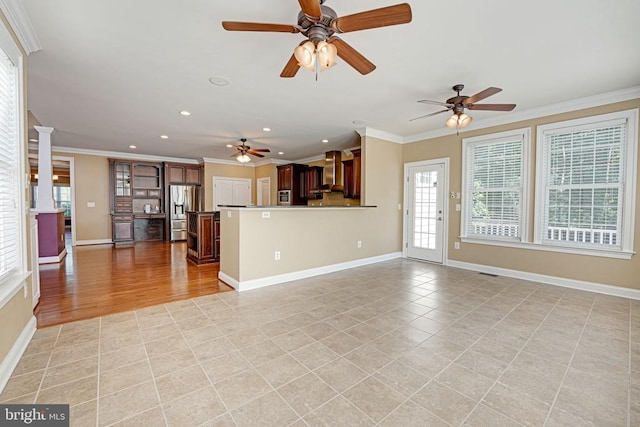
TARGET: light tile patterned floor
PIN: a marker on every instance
(399, 343)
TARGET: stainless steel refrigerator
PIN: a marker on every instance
(183, 198)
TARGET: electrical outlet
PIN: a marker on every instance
(458, 207)
(456, 245)
(228, 214)
(266, 214)
(359, 243)
(276, 256)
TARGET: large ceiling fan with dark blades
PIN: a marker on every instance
(319, 24)
(459, 103)
(243, 151)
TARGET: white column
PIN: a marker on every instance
(45, 170)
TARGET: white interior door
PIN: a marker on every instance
(231, 191)
(426, 216)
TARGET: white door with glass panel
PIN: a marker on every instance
(425, 219)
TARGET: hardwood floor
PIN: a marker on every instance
(98, 280)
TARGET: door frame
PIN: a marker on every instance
(259, 195)
(444, 161)
(72, 184)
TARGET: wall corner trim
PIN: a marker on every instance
(617, 291)
(13, 357)
(19, 20)
(247, 285)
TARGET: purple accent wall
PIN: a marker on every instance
(49, 233)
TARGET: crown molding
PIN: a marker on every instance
(311, 159)
(19, 20)
(534, 113)
(380, 134)
(119, 155)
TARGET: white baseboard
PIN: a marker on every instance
(94, 242)
(599, 288)
(303, 274)
(13, 357)
(52, 259)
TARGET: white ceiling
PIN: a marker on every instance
(116, 72)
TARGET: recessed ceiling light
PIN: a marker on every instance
(281, 152)
(132, 146)
(325, 141)
(219, 80)
(229, 145)
(185, 113)
(164, 137)
(266, 129)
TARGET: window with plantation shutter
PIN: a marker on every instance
(9, 169)
(585, 181)
(494, 184)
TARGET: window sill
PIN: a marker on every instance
(11, 285)
(550, 248)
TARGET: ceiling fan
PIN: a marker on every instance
(244, 151)
(458, 103)
(318, 23)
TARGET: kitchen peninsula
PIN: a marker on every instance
(263, 246)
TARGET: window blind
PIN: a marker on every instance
(9, 179)
(584, 185)
(494, 189)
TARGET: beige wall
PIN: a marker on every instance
(17, 312)
(227, 171)
(577, 267)
(91, 185)
(382, 174)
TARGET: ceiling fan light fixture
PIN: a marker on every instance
(464, 120)
(327, 54)
(452, 122)
(458, 121)
(305, 55)
(243, 158)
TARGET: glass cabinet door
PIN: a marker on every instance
(123, 179)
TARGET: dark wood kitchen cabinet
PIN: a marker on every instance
(313, 181)
(183, 173)
(203, 237)
(292, 177)
(137, 199)
(352, 175)
(121, 193)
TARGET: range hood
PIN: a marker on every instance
(332, 173)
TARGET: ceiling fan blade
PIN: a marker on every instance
(492, 107)
(426, 101)
(291, 69)
(383, 17)
(254, 153)
(311, 8)
(429, 115)
(258, 26)
(260, 150)
(352, 56)
(481, 95)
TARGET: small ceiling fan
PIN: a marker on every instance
(318, 23)
(458, 103)
(244, 151)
